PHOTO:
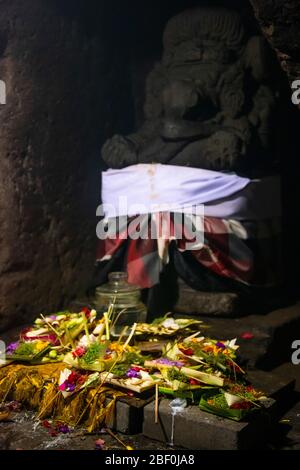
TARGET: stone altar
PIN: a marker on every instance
(210, 104)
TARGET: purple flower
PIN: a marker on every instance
(168, 362)
(67, 386)
(133, 374)
(70, 387)
(12, 347)
(53, 317)
(63, 428)
(220, 345)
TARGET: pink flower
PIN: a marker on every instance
(86, 311)
(46, 424)
(247, 335)
(79, 352)
(99, 444)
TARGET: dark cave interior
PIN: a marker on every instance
(75, 73)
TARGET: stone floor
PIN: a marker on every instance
(24, 433)
(288, 432)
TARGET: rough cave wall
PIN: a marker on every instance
(280, 23)
(63, 92)
(68, 67)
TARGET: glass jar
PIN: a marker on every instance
(124, 299)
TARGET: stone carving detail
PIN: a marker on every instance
(208, 102)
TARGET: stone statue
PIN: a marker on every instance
(209, 102)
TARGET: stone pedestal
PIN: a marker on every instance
(129, 414)
(196, 429)
(227, 304)
(207, 303)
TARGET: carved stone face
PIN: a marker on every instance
(200, 51)
(200, 44)
(201, 60)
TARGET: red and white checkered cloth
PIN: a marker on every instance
(245, 251)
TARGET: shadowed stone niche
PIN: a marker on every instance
(209, 101)
(213, 101)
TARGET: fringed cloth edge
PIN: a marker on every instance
(36, 388)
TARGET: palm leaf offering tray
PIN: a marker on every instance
(232, 404)
(27, 351)
(86, 362)
(167, 326)
(139, 384)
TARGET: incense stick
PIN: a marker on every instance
(156, 403)
(53, 329)
(107, 332)
(86, 330)
(9, 388)
(130, 336)
(118, 439)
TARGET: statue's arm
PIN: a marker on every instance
(175, 130)
(151, 147)
(146, 146)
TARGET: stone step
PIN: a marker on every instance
(196, 429)
(226, 304)
(129, 415)
(289, 371)
(129, 412)
(273, 335)
(207, 303)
